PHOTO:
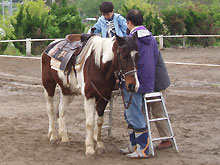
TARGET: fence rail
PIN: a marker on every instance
(161, 39)
(184, 37)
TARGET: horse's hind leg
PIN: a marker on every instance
(49, 85)
(89, 106)
(64, 102)
(51, 115)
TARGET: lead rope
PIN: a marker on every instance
(130, 98)
(122, 93)
(120, 83)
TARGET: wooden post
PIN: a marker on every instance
(184, 41)
(161, 41)
(28, 46)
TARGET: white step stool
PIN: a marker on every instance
(158, 97)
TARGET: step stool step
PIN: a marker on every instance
(154, 94)
(158, 119)
(162, 138)
(153, 100)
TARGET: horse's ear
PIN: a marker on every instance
(135, 36)
(120, 40)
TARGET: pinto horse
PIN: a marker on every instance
(95, 80)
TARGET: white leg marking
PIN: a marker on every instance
(51, 116)
(133, 53)
(64, 102)
(137, 82)
(98, 131)
(89, 106)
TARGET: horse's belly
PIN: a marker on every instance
(70, 82)
(80, 80)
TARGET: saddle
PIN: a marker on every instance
(67, 50)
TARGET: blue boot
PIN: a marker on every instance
(142, 150)
(132, 144)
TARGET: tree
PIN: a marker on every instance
(64, 20)
(150, 13)
(30, 22)
(35, 20)
(93, 9)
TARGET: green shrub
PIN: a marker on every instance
(3, 34)
(34, 20)
(150, 13)
(30, 22)
(3, 45)
(64, 20)
(190, 19)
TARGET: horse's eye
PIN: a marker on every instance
(124, 57)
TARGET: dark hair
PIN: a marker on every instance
(106, 7)
(135, 17)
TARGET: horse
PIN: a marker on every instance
(94, 77)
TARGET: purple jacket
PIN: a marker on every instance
(148, 53)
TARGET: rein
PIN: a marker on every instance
(99, 93)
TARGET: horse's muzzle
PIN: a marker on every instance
(131, 88)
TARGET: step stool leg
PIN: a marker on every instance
(110, 118)
(169, 123)
(149, 127)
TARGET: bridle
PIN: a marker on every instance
(122, 78)
(121, 75)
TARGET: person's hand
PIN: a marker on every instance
(93, 30)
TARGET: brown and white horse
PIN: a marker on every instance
(95, 80)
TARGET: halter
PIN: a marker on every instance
(122, 78)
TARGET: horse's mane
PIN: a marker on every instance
(102, 48)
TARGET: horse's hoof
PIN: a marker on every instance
(90, 151)
(64, 139)
(100, 145)
(52, 136)
(100, 148)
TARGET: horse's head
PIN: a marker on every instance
(127, 55)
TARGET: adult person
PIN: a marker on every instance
(149, 63)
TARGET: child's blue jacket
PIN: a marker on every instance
(119, 23)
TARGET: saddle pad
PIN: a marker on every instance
(81, 57)
(62, 51)
(59, 49)
(55, 64)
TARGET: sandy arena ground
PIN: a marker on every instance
(193, 103)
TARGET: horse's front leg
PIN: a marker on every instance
(89, 106)
(100, 108)
(98, 132)
(64, 102)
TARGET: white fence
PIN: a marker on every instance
(161, 40)
(184, 37)
(28, 43)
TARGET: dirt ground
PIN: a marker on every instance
(193, 103)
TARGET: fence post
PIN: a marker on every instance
(161, 41)
(184, 41)
(28, 46)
